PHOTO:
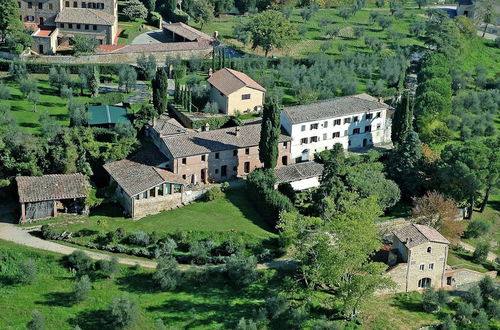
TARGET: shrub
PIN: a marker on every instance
(430, 301)
(167, 275)
(123, 311)
(477, 228)
(139, 238)
(48, 232)
(28, 271)
(179, 72)
(241, 270)
(481, 252)
(108, 267)
(37, 321)
(213, 194)
(200, 251)
(79, 261)
(82, 288)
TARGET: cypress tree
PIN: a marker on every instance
(176, 92)
(160, 90)
(223, 57)
(220, 58)
(213, 59)
(269, 136)
(190, 100)
(402, 121)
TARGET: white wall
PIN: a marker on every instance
(326, 129)
(305, 184)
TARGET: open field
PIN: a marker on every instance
(235, 212)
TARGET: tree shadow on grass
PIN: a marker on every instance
(92, 320)
(495, 205)
(137, 283)
(238, 198)
(408, 302)
(31, 125)
(63, 299)
(107, 210)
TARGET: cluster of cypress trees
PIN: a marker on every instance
(183, 96)
(220, 59)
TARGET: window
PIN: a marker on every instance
(19, 4)
(245, 97)
(246, 167)
(203, 158)
(30, 5)
(336, 122)
(336, 135)
(177, 188)
(284, 160)
(30, 18)
(216, 171)
(377, 115)
(355, 131)
(285, 145)
(223, 170)
(247, 151)
(144, 194)
(137, 197)
(303, 128)
(347, 120)
(94, 27)
(75, 4)
(421, 267)
(325, 124)
(314, 139)
(66, 4)
(429, 249)
(184, 161)
(449, 280)
(84, 5)
(324, 136)
(70, 26)
(368, 128)
(50, 6)
(62, 25)
(86, 26)
(369, 116)
(235, 152)
(303, 141)
(379, 126)
(349, 142)
(424, 282)
(78, 26)
(160, 190)
(314, 126)
(217, 155)
(355, 118)
(235, 168)
(40, 5)
(431, 266)
(152, 192)
(184, 176)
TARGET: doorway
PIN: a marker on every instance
(424, 282)
(365, 142)
(40, 49)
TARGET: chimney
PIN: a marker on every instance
(216, 35)
(237, 131)
(207, 127)
(154, 121)
(210, 72)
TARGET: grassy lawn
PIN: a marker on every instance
(50, 102)
(491, 215)
(210, 304)
(464, 260)
(235, 212)
(398, 312)
(310, 42)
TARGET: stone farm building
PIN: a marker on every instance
(47, 195)
(55, 22)
(418, 260)
(213, 155)
(143, 189)
(180, 32)
(235, 92)
(356, 121)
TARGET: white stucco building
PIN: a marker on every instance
(356, 121)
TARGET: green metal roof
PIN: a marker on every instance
(107, 114)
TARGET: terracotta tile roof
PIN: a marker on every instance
(330, 108)
(43, 32)
(84, 16)
(414, 235)
(228, 81)
(162, 47)
(186, 31)
(149, 155)
(135, 178)
(51, 187)
(166, 125)
(197, 143)
(298, 171)
(108, 48)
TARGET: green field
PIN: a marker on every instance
(50, 102)
(234, 212)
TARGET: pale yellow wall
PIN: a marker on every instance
(418, 255)
(235, 103)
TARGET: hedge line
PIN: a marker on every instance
(43, 68)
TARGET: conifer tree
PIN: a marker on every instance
(402, 121)
(160, 90)
(269, 136)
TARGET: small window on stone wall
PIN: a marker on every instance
(429, 249)
(421, 267)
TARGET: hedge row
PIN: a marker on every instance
(43, 68)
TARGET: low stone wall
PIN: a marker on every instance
(463, 278)
(148, 206)
(107, 58)
(190, 196)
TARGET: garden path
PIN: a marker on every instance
(491, 256)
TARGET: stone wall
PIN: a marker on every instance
(148, 206)
(434, 263)
(107, 58)
(463, 279)
(398, 275)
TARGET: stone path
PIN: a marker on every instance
(20, 235)
(491, 256)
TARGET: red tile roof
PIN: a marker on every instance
(186, 31)
(228, 81)
(414, 235)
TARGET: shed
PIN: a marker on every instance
(301, 176)
(45, 196)
(107, 115)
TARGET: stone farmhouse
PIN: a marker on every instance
(235, 92)
(356, 121)
(55, 22)
(418, 260)
(48, 195)
(212, 155)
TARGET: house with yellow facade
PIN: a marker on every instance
(235, 92)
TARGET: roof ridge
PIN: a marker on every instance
(231, 71)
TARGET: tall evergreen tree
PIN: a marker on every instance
(402, 122)
(160, 90)
(269, 136)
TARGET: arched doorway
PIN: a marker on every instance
(424, 282)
